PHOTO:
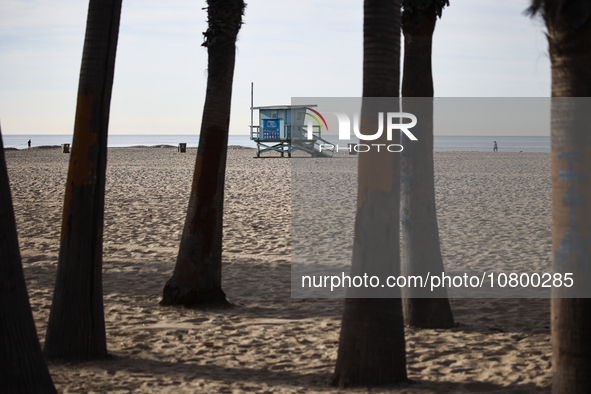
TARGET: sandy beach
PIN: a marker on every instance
(494, 210)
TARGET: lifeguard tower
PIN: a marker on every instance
(283, 129)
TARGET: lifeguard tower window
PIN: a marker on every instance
(281, 129)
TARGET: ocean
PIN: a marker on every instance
(441, 143)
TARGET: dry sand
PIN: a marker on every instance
(492, 207)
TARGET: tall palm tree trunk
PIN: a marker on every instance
(22, 368)
(570, 54)
(371, 344)
(420, 249)
(76, 327)
(197, 277)
(569, 38)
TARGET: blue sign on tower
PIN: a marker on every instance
(271, 129)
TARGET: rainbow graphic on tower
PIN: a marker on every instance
(316, 119)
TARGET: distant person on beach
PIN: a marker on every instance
(495, 148)
(29, 144)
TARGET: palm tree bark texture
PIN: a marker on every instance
(420, 248)
(76, 327)
(371, 344)
(197, 277)
(569, 38)
(22, 367)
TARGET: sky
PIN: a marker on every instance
(304, 48)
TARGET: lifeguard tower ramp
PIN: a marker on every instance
(283, 129)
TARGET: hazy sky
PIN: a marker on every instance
(482, 48)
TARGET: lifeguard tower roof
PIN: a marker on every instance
(281, 129)
(285, 106)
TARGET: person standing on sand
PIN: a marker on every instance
(495, 148)
(29, 144)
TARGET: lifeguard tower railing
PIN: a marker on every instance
(281, 129)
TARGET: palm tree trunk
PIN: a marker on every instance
(76, 327)
(22, 368)
(570, 57)
(197, 277)
(371, 344)
(420, 249)
(569, 39)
